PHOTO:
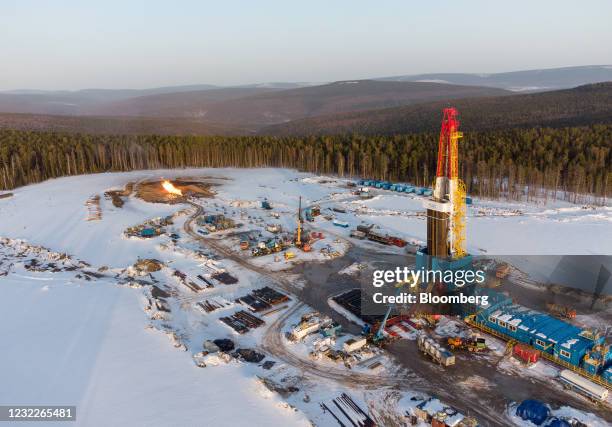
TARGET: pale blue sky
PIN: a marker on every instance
(72, 44)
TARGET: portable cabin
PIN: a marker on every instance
(468, 200)
(148, 232)
(419, 191)
(409, 189)
(386, 186)
(607, 374)
(332, 330)
(541, 331)
(427, 192)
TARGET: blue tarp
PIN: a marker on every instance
(533, 410)
(557, 422)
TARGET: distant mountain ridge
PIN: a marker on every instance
(584, 105)
(367, 106)
(527, 80)
(253, 106)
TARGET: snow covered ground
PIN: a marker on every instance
(500, 228)
(86, 344)
(75, 340)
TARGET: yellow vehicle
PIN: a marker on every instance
(289, 255)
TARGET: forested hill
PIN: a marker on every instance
(584, 105)
(493, 163)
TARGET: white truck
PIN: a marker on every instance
(572, 380)
(435, 351)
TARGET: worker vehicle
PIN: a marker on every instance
(471, 344)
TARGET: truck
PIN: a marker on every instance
(379, 238)
(434, 350)
(339, 223)
(573, 381)
(358, 234)
(399, 242)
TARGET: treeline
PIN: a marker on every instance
(511, 163)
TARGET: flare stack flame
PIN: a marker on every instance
(171, 188)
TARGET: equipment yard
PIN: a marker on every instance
(240, 289)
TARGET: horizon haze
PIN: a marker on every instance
(70, 46)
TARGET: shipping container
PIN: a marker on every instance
(525, 353)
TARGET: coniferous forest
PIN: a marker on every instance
(573, 162)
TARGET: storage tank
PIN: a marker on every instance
(582, 385)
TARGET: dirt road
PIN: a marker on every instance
(273, 344)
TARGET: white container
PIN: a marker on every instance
(582, 385)
(354, 344)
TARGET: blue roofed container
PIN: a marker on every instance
(409, 189)
(468, 200)
(543, 332)
(148, 232)
(427, 192)
(533, 411)
(607, 374)
(386, 186)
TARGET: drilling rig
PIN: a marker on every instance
(299, 243)
(446, 213)
(298, 237)
(446, 209)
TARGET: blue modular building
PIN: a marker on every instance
(401, 188)
(565, 342)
